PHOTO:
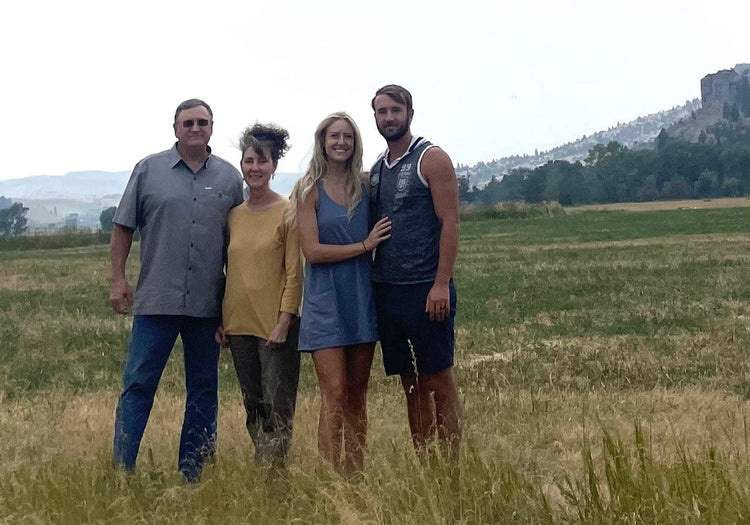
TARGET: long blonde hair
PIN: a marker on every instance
(318, 168)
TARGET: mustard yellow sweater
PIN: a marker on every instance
(264, 270)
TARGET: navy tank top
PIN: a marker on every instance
(411, 255)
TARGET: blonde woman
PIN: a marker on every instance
(338, 314)
(263, 293)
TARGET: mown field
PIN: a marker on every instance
(602, 359)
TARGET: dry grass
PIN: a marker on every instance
(689, 204)
(541, 435)
(566, 333)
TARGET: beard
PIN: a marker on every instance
(394, 135)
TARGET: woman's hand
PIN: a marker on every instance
(280, 331)
(278, 336)
(380, 232)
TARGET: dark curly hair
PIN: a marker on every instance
(265, 139)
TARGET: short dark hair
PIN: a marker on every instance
(398, 93)
(192, 103)
(265, 137)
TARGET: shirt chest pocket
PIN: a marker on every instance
(212, 203)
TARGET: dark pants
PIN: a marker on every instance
(268, 379)
(151, 343)
(410, 341)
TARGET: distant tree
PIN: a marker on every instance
(649, 190)
(734, 113)
(13, 220)
(676, 188)
(105, 218)
(5, 203)
(731, 187)
(534, 185)
(662, 139)
(610, 166)
(743, 96)
(707, 184)
(735, 163)
(565, 182)
(686, 160)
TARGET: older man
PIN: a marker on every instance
(178, 201)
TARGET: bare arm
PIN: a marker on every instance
(315, 252)
(120, 294)
(437, 169)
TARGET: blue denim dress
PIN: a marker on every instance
(338, 308)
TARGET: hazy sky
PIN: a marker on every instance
(92, 85)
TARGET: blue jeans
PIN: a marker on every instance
(151, 343)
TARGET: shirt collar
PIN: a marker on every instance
(174, 156)
(395, 161)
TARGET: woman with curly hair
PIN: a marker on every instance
(338, 313)
(262, 297)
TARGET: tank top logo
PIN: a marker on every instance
(402, 182)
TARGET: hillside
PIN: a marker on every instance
(637, 134)
(82, 185)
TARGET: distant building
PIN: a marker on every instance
(72, 222)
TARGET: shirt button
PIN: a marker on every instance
(194, 199)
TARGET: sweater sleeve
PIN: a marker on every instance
(292, 295)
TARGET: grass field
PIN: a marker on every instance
(601, 356)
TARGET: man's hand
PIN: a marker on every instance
(120, 296)
(438, 302)
(220, 337)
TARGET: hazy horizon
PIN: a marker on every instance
(87, 91)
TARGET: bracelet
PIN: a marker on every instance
(363, 246)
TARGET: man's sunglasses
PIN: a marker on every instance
(202, 122)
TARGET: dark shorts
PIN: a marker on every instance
(404, 327)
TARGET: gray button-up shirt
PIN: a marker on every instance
(182, 220)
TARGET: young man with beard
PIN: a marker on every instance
(178, 200)
(414, 184)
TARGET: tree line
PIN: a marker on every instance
(13, 221)
(718, 165)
